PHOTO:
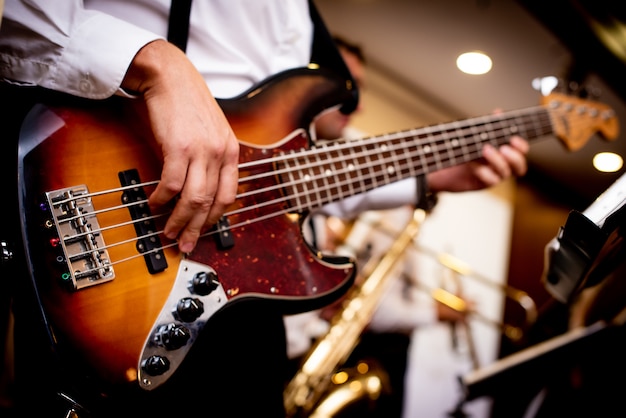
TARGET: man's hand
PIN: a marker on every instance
(199, 149)
(495, 166)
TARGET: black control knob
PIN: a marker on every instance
(173, 336)
(204, 283)
(155, 365)
(189, 309)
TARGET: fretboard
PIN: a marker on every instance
(340, 169)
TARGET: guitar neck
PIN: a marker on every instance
(341, 169)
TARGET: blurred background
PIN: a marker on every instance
(411, 48)
(414, 44)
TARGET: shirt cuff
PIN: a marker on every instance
(93, 66)
(390, 196)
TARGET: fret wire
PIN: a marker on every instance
(293, 180)
(334, 172)
(367, 153)
(389, 152)
(340, 167)
(309, 186)
(426, 163)
(460, 136)
(442, 138)
(373, 139)
(503, 126)
(386, 155)
(406, 146)
(478, 136)
(300, 176)
(359, 177)
(363, 168)
(369, 164)
(375, 174)
(430, 165)
(321, 181)
(349, 167)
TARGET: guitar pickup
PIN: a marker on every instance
(149, 243)
(224, 236)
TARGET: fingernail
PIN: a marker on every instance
(186, 247)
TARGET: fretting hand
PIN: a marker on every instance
(495, 166)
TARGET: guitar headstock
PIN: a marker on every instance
(576, 120)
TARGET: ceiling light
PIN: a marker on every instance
(474, 62)
(545, 85)
(607, 162)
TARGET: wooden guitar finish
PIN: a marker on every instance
(110, 323)
(123, 298)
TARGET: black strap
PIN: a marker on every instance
(326, 54)
(178, 29)
(324, 51)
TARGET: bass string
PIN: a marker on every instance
(366, 149)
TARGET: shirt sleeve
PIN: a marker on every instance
(63, 46)
(393, 195)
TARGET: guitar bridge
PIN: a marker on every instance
(79, 238)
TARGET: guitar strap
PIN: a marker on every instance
(324, 51)
(178, 24)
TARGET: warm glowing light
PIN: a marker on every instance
(607, 162)
(340, 377)
(545, 84)
(363, 367)
(474, 63)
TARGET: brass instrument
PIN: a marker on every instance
(512, 332)
(320, 389)
(304, 394)
(461, 268)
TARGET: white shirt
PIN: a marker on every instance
(86, 51)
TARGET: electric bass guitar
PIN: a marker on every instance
(123, 296)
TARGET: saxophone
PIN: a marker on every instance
(318, 389)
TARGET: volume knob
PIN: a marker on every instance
(204, 283)
(189, 309)
(155, 365)
(173, 336)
